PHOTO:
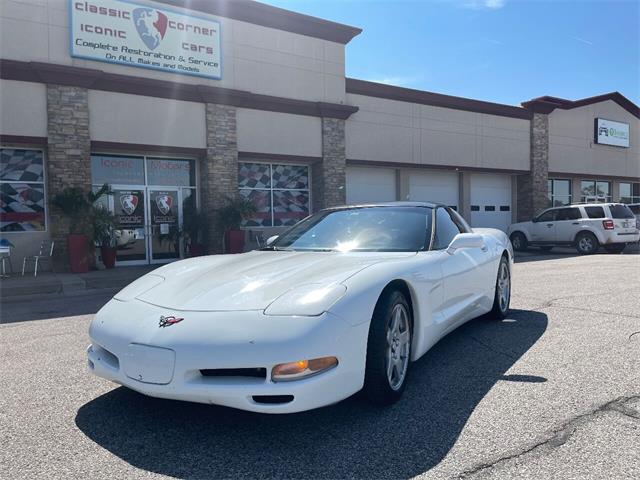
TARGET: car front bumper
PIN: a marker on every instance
(129, 348)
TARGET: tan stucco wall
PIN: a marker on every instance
(23, 108)
(572, 148)
(115, 117)
(254, 58)
(393, 131)
(271, 132)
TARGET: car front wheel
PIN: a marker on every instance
(388, 350)
(586, 243)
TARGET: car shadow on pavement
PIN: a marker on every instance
(349, 439)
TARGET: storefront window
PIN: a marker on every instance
(280, 192)
(595, 191)
(630, 192)
(559, 192)
(22, 193)
(117, 170)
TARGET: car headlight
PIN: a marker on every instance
(307, 300)
(137, 288)
(285, 372)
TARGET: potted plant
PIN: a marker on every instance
(104, 225)
(229, 219)
(194, 225)
(76, 204)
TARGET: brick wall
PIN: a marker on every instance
(69, 149)
(219, 172)
(329, 176)
(532, 188)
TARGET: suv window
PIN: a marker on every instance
(446, 229)
(594, 212)
(547, 216)
(635, 209)
(567, 214)
(620, 211)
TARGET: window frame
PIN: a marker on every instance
(633, 198)
(271, 189)
(44, 184)
(552, 194)
(434, 228)
(607, 199)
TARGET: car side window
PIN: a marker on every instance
(463, 226)
(594, 212)
(547, 216)
(446, 229)
(567, 214)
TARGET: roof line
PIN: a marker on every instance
(392, 92)
(547, 104)
(273, 17)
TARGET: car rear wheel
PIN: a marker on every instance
(586, 243)
(615, 247)
(519, 241)
(502, 297)
(388, 350)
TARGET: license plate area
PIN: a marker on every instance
(148, 364)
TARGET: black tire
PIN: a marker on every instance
(378, 389)
(519, 241)
(586, 243)
(500, 306)
(546, 248)
(615, 247)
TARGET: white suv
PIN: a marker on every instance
(585, 226)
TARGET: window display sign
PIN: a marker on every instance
(129, 207)
(164, 208)
(142, 36)
(161, 171)
(613, 133)
(116, 170)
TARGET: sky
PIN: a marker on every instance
(505, 51)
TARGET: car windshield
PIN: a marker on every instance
(362, 229)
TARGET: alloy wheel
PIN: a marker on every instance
(398, 346)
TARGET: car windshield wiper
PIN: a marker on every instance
(275, 249)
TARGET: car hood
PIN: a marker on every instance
(250, 281)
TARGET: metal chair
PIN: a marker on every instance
(41, 257)
(5, 256)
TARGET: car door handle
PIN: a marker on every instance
(575, 223)
(549, 225)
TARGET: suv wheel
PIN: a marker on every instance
(519, 241)
(615, 247)
(586, 243)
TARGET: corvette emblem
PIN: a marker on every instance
(164, 203)
(168, 321)
(129, 203)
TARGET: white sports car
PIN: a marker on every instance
(341, 302)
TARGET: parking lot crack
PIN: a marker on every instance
(561, 435)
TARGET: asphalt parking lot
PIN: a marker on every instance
(553, 391)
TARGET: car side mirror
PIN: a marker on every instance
(465, 240)
(271, 239)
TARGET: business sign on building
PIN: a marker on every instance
(609, 132)
(138, 35)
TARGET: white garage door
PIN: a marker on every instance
(370, 185)
(491, 201)
(434, 186)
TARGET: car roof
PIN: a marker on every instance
(607, 204)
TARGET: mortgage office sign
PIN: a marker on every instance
(142, 36)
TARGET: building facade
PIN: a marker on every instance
(176, 107)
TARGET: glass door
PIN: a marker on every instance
(131, 239)
(164, 225)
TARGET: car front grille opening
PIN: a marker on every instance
(272, 399)
(106, 356)
(235, 372)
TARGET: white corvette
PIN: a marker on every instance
(341, 302)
